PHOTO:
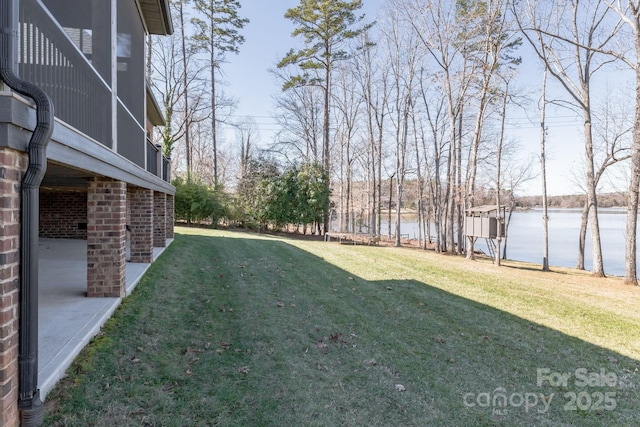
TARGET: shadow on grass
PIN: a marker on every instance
(539, 269)
(484, 366)
(527, 266)
(485, 353)
(315, 345)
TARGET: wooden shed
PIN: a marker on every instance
(482, 222)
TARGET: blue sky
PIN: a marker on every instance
(268, 39)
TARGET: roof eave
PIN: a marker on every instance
(154, 113)
(157, 16)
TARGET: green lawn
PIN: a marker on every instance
(239, 329)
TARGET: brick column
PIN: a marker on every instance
(159, 219)
(141, 225)
(12, 166)
(106, 237)
(170, 219)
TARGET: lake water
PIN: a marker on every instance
(525, 238)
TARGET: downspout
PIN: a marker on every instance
(29, 403)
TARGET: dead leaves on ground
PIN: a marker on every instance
(336, 339)
(135, 359)
(192, 353)
(222, 346)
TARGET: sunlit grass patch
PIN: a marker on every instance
(241, 329)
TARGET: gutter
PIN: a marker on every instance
(166, 15)
(29, 402)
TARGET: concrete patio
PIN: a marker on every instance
(67, 318)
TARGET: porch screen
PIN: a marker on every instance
(88, 25)
(64, 48)
(131, 72)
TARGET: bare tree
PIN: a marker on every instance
(434, 130)
(373, 80)
(629, 12)
(218, 25)
(418, 142)
(167, 83)
(500, 220)
(347, 103)
(612, 128)
(543, 173)
(185, 53)
(437, 26)
(176, 79)
(246, 134)
(300, 118)
(401, 52)
(572, 61)
(490, 40)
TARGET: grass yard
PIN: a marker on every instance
(239, 329)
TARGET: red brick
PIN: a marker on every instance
(140, 206)
(12, 164)
(105, 239)
(60, 214)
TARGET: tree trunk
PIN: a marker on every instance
(326, 163)
(214, 134)
(437, 198)
(379, 182)
(420, 213)
(543, 172)
(592, 200)
(631, 15)
(506, 227)
(460, 192)
(349, 196)
(473, 158)
(630, 273)
(582, 238)
(185, 82)
(373, 223)
(374, 199)
(400, 167)
(499, 165)
(389, 210)
(341, 213)
(451, 194)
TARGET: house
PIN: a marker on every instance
(105, 187)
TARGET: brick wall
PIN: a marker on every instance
(106, 213)
(63, 215)
(129, 195)
(159, 219)
(170, 216)
(141, 222)
(12, 165)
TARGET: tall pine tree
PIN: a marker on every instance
(325, 26)
(218, 26)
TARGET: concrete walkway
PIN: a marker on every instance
(67, 318)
